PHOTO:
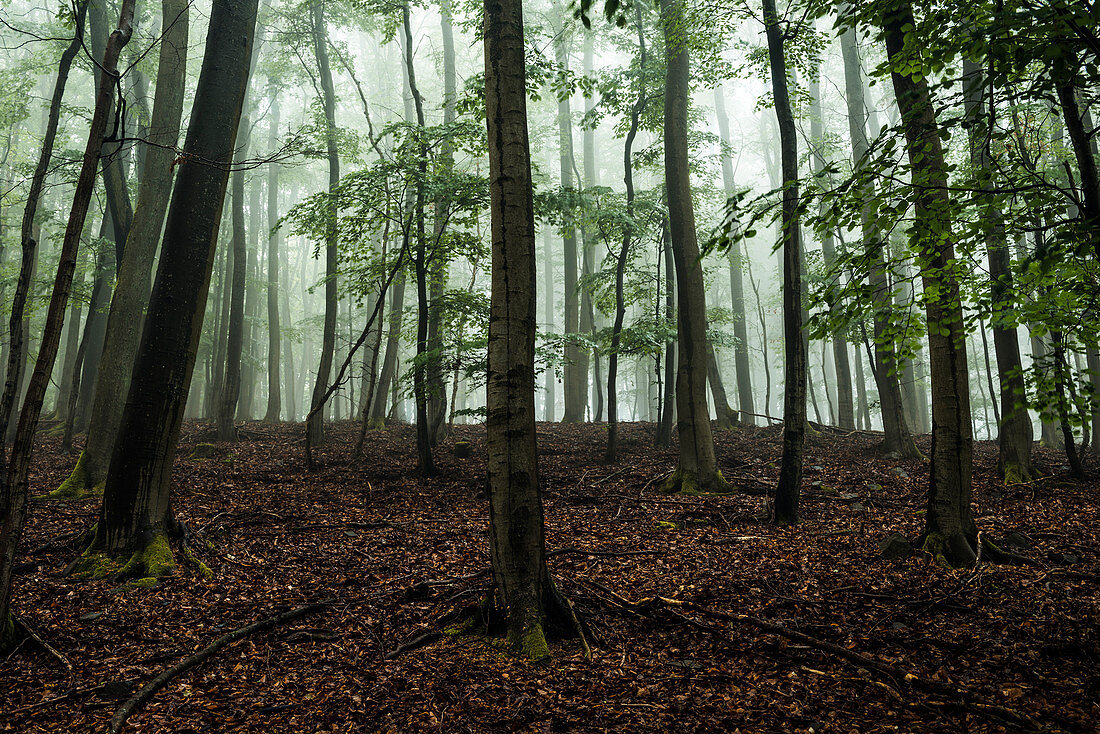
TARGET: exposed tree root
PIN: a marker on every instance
(139, 699)
(898, 677)
(415, 644)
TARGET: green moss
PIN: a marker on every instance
(155, 559)
(687, 483)
(466, 627)
(76, 486)
(1014, 474)
(201, 567)
(144, 583)
(8, 635)
(665, 524)
(202, 451)
(531, 643)
(376, 424)
(94, 564)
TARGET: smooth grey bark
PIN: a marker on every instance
(314, 422)
(841, 367)
(885, 366)
(698, 466)
(135, 519)
(274, 255)
(575, 370)
(549, 397)
(122, 330)
(745, 403)
(1014, 424)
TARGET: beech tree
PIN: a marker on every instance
(523, 591)
(135, 523)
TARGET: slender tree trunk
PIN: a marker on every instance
(845, 406)
(588, 316)
(668, 409)
(549, 397)
(420, 387)
(136, 518)
(698, 466)
(898, 439)
(314, 424)
(950, 534)
(15, 485)
(576, 362)
(794, 394)
(274, 240)
(636, 110)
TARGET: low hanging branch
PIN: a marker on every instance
(958, 696)
(118, 721)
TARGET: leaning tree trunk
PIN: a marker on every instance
(1015, 430)
(523, 589)
(131, 293)
(794, 395)
(17, 348)
(135, 519)
(949, 532)
(14, 479)
(314, 424)
(897, 438)
(698, 466)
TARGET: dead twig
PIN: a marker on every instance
(118, 721)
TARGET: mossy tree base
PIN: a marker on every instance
(531, 640)
(79, 484)
(1015, 473)
(153, 560)
(690, 483)
(9, 635)
(953, 551)
(376, 424)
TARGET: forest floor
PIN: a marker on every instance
(392, 553)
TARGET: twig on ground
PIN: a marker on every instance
(118, 721)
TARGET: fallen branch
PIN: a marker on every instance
(956, 696)
(602, 554)
(420, 641)
(149, 689)
(30, 633)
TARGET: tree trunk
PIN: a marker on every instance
(314, 424)
(698, 466)
(1015, 433)
(794, 394)
(274, 329)
(135, 518)
(745, 401)
(949, 534)
(668, 408)
(636, 110)
(131, 294)
(14, 485)
(884, 368)
(420, 387)
(523, 589)
(845, 405)
(576, 358)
